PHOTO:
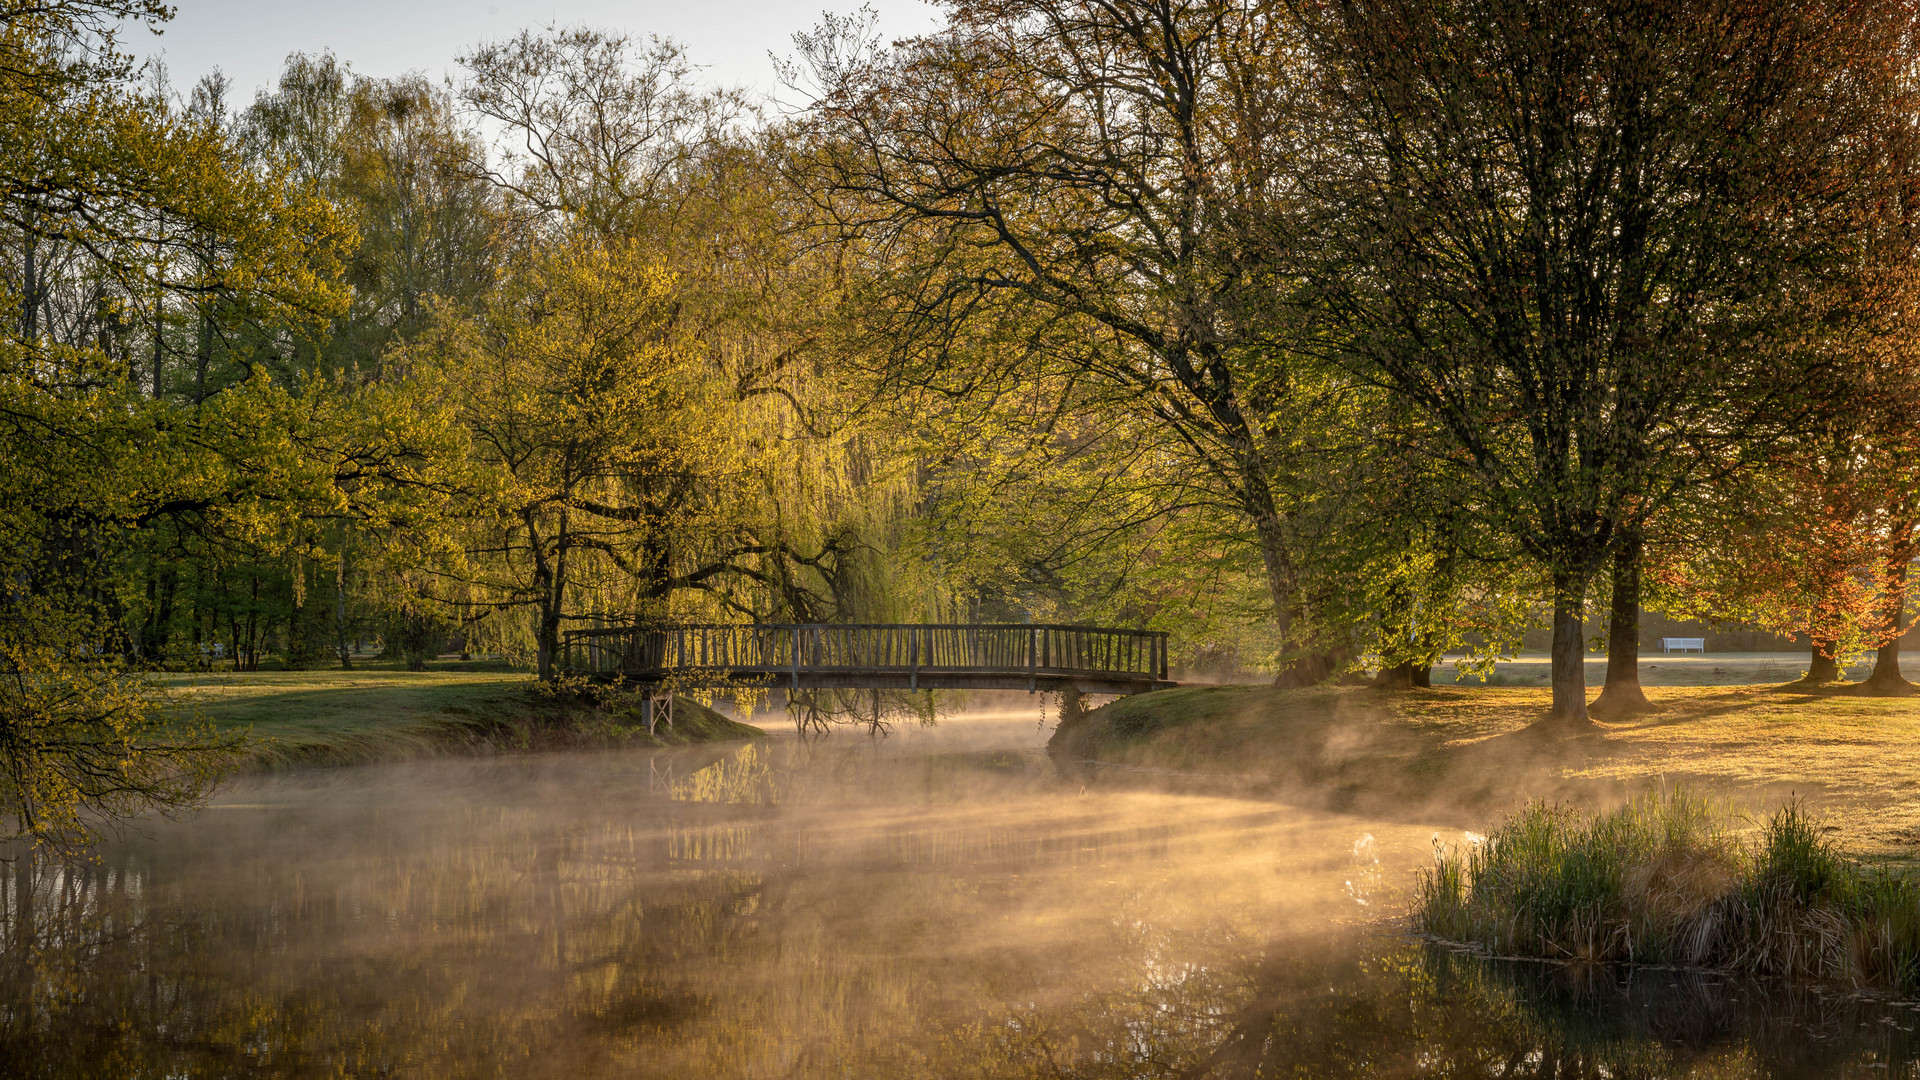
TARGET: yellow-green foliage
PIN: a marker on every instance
(81, 742)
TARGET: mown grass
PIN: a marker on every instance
(383, 713)
(1670, 879)
(1461, 755)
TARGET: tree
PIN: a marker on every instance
(595, 131)
(1091, 195)
(606, 148)
(581, 411)
(1575, 234)
(1815, 534)
(393, 155)
(120, 207)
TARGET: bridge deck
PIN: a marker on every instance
(881, 656)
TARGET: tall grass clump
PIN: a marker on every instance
(1668, 879)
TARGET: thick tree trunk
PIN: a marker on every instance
(1622, 695)
(553, 603)
(1823, 666)
(1397, 677)
(1569, 712)
(1297, 667)
(549, 642)
(1886, 680)
(1404, 676)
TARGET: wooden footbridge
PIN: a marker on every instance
(876, 656)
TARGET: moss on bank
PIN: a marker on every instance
(1464, 755)
(384, 714)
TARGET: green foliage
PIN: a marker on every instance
(82, 744)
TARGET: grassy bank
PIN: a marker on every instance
(1464, 755)
(1674, 879)
(382, 712)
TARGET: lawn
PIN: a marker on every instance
(1662, 669)
(1465, 754)
(380, 711)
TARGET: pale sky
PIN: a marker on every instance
(250, 39)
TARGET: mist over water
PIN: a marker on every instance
(938, 903)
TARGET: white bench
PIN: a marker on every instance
(1684, 644)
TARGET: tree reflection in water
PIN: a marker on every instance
(767, 916)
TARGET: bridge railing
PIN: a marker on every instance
(796, 648)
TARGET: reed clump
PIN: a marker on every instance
(1669, 879)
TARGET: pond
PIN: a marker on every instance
(938, 903)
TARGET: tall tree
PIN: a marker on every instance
(1091, 193)
(606, 146)
(149, 208)
(579, 405)
(1574, 233)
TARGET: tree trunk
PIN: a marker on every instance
(159, 345)
(1569, 712)
(253, 606)
(160, 624)
(1404, 676)
(202, 358)
(1296, 669)
(1886, 680)
(340, 614)
(1397, 677)
(548, 641)
(1622, 695)
(29, 294)
(1824, 666)
(552, 597)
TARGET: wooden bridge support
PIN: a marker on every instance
(656, 707)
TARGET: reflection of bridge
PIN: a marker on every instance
(1000, 656)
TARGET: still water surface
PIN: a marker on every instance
(936, 904)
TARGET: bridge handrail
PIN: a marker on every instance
(793, 648)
